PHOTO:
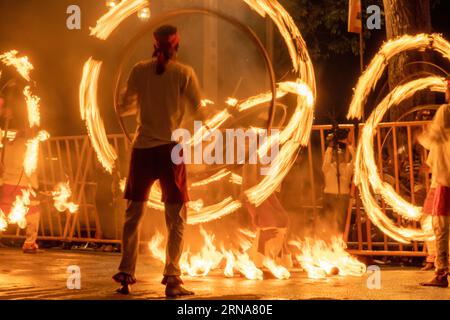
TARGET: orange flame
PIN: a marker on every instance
(22, 64)
(34, 117)
(20, 209)
(32, 152)
(61, 195)
(3, 221)
(320, 259)
(277, 270)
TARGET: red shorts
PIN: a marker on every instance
(8, 194)
(441, 203)
(149, 165)
(429, 202)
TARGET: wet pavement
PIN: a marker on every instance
(44, 276)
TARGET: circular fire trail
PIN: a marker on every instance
(293, 136)
(366, 173)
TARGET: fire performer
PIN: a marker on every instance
(15, 182)
(158, 91)
(436, 138)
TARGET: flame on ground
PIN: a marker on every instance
(321, 259)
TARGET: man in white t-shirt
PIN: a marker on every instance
(160, 92)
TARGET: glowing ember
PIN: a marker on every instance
(61, 197)
(320, 259)
(22, 64)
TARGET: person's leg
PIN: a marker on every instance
(30, 245)
(427, 226)
(175, 220)
(130, 237)
(174, 195)
(341, 213)
(139, 182)
(441, 231)
(431, 255)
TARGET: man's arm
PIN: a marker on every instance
(194, 96)
(128, 103)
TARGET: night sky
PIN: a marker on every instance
(37, 28)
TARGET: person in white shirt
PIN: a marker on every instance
(336, 193)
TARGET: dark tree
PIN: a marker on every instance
(407, 17)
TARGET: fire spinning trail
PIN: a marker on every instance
(21, 205)
(295, 134)
(366, 173)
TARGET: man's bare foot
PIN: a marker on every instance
(125, 280)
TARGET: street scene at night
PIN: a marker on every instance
(211, 150)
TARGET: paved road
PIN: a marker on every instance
(44, 276)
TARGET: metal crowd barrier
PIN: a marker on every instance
(73, 159)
